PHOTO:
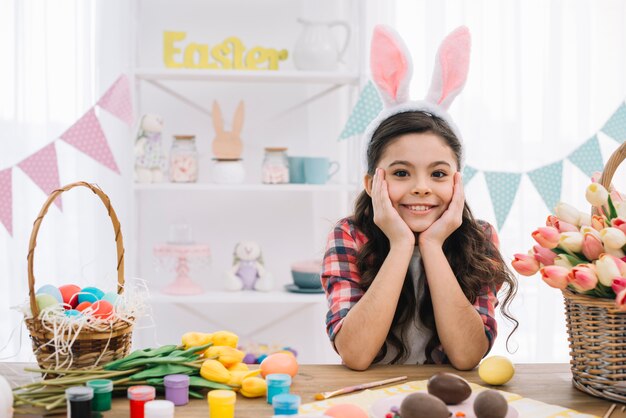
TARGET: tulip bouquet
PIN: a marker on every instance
(581, 252)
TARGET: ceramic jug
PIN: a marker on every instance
(316, 48)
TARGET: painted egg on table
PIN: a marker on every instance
(345, 410)
(54, 291)
(279, 363)
(102, 309)
(82, 306)
(496, 370)
(90, 294)
(45, 300)
(70, 295)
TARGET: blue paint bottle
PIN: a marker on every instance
(277, 383)
(286, 404)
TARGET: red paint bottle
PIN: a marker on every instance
(138, 396)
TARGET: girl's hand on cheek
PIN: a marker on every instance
(386, 217)
(449, 221)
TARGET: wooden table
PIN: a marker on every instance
(550, 383)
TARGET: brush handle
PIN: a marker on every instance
(362, 386)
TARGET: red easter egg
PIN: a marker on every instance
(102, 309)
(82, 306)
(69, 294)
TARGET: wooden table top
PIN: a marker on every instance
(549, 383)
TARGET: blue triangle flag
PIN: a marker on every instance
(367, 107)
(547, 180)
(468, 174)
(588, 157)
(502, 189)
(615, 127)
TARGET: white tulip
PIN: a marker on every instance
(613, 238)
(606, 270)
(586, 229)
(567, 213)
(571, 241)
(620, 208)
(585, 218)
(597, 195)
(562, 261)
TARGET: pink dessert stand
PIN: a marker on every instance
(182, 253)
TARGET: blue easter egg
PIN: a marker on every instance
(261, 358)
(53, 291)
(110, 297)
(90, 294)
(73, 312)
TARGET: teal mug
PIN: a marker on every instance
(318, 170)
(296, 170)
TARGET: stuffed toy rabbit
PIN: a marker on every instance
(227, 144)
(392, 69)
(149, 160)
(248, 272)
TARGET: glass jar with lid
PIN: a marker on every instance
(275, 166)
(184, 159)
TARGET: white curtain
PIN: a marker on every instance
(544, 78)
(58, 59)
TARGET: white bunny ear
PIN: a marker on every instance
(451, 68)
(391, 66)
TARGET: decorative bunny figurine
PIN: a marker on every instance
(149, 160)
(392, 69)
(248, 272)
(227, 144)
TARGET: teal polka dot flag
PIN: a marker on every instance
(615, 127)
(366, 109)
(588, 157)
(468, 174)
(547, 181)
(502, 190)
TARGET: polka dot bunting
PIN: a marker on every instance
(117, 100)
(43, 169)
(367, 108)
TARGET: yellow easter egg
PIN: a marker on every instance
(496, 370)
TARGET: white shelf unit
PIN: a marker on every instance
(290, 221)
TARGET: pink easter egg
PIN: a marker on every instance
(70, 295)
(102, 309)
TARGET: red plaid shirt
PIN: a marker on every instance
(341, 278)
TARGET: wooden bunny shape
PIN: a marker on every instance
(227, 144)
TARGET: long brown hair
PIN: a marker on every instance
(475, 261)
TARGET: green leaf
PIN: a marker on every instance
(139, 354)
(152, 361)
(163, 370)
(200, 382)
(612, 211)
(195, 394)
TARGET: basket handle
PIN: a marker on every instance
(614, 161)
(33, 239)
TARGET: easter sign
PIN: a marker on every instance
(231, 54)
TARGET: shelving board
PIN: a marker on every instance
(147, 187)
(247, 297)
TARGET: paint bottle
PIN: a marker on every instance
(177, 388)
(79, 401)
(159, 409)
(221, 403)
(277, 383)
(102, 394)
(286, 404)
(138, 396)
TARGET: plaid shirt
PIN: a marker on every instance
(341, 278)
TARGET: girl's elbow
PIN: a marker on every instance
(358, 365)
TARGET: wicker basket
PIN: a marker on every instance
(597, 330)
(91, 346)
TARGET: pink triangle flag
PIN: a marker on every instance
(6, 200)
(43, 169)
(87, 136)
(117, 100)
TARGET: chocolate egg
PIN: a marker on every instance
(423, 405)
(448, 387)
(490, 404)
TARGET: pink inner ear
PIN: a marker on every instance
(388, 62)
(454, 61)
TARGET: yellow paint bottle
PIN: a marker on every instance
(221, 403)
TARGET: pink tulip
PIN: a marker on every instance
(582, 278)
(620, 300)
(552, 220)
(543, 255)
(616, 196)
(555, 276)
(547, 236)
(619, 223)
(563, 226)
(592, 246)
(619, 284)
(524, 264)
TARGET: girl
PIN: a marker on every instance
(411, 277)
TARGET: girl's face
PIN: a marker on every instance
(419, 171)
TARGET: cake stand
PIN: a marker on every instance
(182, 254)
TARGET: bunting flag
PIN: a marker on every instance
(502, 189)
(367, 107)
(43, 169)
(87, 136)
(615, 127)
(117, 100)
(6, 202)
(547, 180)
(468, 174)
(588, 157)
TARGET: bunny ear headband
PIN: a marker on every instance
(392, 69)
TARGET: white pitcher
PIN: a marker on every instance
(316, 48)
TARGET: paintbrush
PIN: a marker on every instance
(350, 389)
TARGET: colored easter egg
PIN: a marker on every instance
(110, 297)
(496, 370)
(102, 309)
(260, 358)
(90, 294)
(345, 410)
(73, 312)
(82, 306)
(279, 363)
(50, 290)
(45, 300)
(69, 293)
(249, 359)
